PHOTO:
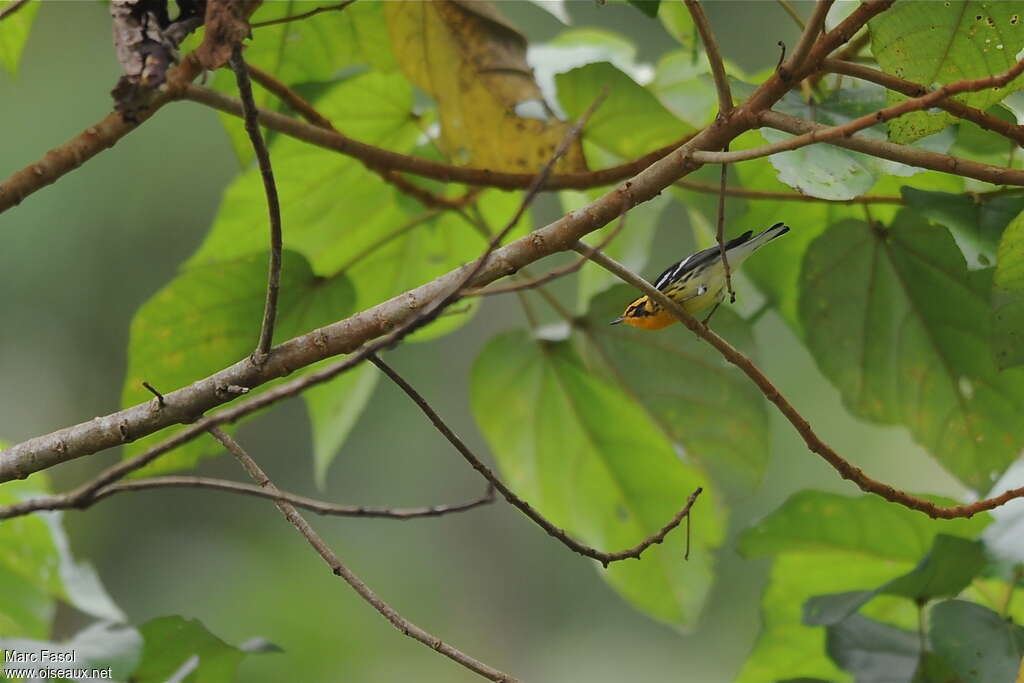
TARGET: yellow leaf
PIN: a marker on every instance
(472, 61)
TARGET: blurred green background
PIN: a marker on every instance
(78, 258)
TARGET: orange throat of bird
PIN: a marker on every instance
(651, 321)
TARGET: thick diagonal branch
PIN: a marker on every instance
(184, 405)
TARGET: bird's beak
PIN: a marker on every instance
(617, 321)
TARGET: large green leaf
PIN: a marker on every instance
(829, 543)
(980, 645)
(101, 645)
(700, 401)
(14, 33)
(948, 568)
(175, 645)
(345, 219)
(685, 86)
(208, 318)
(317, 49)
(872, 651)
(328, 200)
(901, 327)
(1008, 297)
(589, 458)
(976, 224)
(629, 122)
(934, 43)
(39, 567)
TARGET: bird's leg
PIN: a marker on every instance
(713, 309)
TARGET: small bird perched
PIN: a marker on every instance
(696, 282)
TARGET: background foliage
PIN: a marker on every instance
(896, 330)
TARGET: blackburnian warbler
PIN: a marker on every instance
(697, 282)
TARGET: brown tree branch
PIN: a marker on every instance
(554, 531)
(61, 502)
(303, 108)
(822, 133)
(340, 569)
(707, 37)
(12, 8)
(706, 188)
(814, 443)
(90, 142)
(954, 107)
(259, 147)
(384, 158)
(798, 58)
(553, 274)
(912, 156)
(720, 232)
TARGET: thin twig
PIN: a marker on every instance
(802, 426)
(913, 156)
(259, 147)
(956, 108)
(808, 38)
(384, 158)
(303, 108)
(159, 396)
(12, 8)
(305, 15)
(312, 504)
(720, 231)
(821, 133)
(340, 569)
(707, 37)
(793, 14)
(707, 188)
(555, 273)
(527, 509)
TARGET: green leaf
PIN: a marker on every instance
(866, 524)
(831, 172)
(174, 645)
(898, 324)
(629, 247)
(946, 570)
(648, 7)
(99, 646)
(208, 318)
(828, 543)
(701, 402)
(950, 566)
(630, 122)
(14, 33)
(591, 460)
(316, 49)
(686, 87)
(976, 225)
(679, 23)
(981, 646)
(937, 43)
(43, 562)
(331, 205)
(333, 409)
(1008, 297)
(872, 651)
